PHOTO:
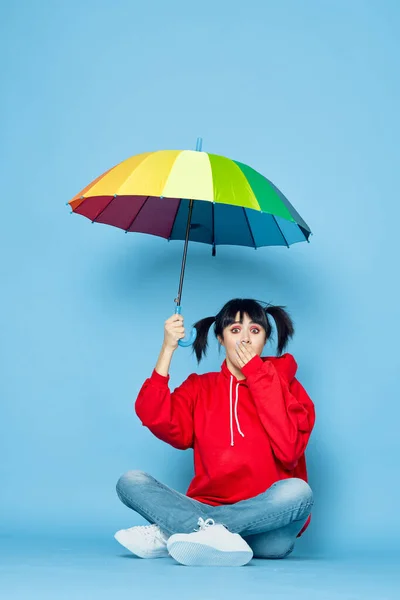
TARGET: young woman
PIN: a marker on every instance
(248, 424)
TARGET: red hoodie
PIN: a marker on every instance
(246, 434)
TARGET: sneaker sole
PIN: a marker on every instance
(199, 555)
(138, 551)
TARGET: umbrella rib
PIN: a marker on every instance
(285, 240)
(103, 209)
(248, 225)
(137, 214)
(302, 231)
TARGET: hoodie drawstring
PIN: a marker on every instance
(231, 410)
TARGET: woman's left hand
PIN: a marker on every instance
(244, 353)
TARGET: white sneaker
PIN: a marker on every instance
(146, 541)
(211, 545)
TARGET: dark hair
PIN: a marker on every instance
(256, 312)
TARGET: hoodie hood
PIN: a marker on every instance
(286, 367)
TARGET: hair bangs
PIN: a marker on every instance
(252, 308)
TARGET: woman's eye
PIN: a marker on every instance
(255, 331)
(234, 330)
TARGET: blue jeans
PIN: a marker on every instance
(268, 522)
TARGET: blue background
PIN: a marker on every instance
(305, 92)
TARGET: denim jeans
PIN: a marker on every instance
(268, 522)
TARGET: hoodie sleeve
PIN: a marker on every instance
(284, 407)
(168, 415)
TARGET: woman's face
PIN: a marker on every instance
(250, 332)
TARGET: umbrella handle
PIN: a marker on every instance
(185, 343)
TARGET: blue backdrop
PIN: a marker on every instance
(308, 94)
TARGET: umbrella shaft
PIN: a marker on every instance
(178, 299)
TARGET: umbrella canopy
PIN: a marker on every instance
(151, 192)
(185, 194)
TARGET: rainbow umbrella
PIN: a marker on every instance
(192, 195)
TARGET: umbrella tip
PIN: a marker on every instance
(199, 144)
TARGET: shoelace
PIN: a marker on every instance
(204, 524)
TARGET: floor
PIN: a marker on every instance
(56, 569)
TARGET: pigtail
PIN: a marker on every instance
(201, 342)
(284, 325)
